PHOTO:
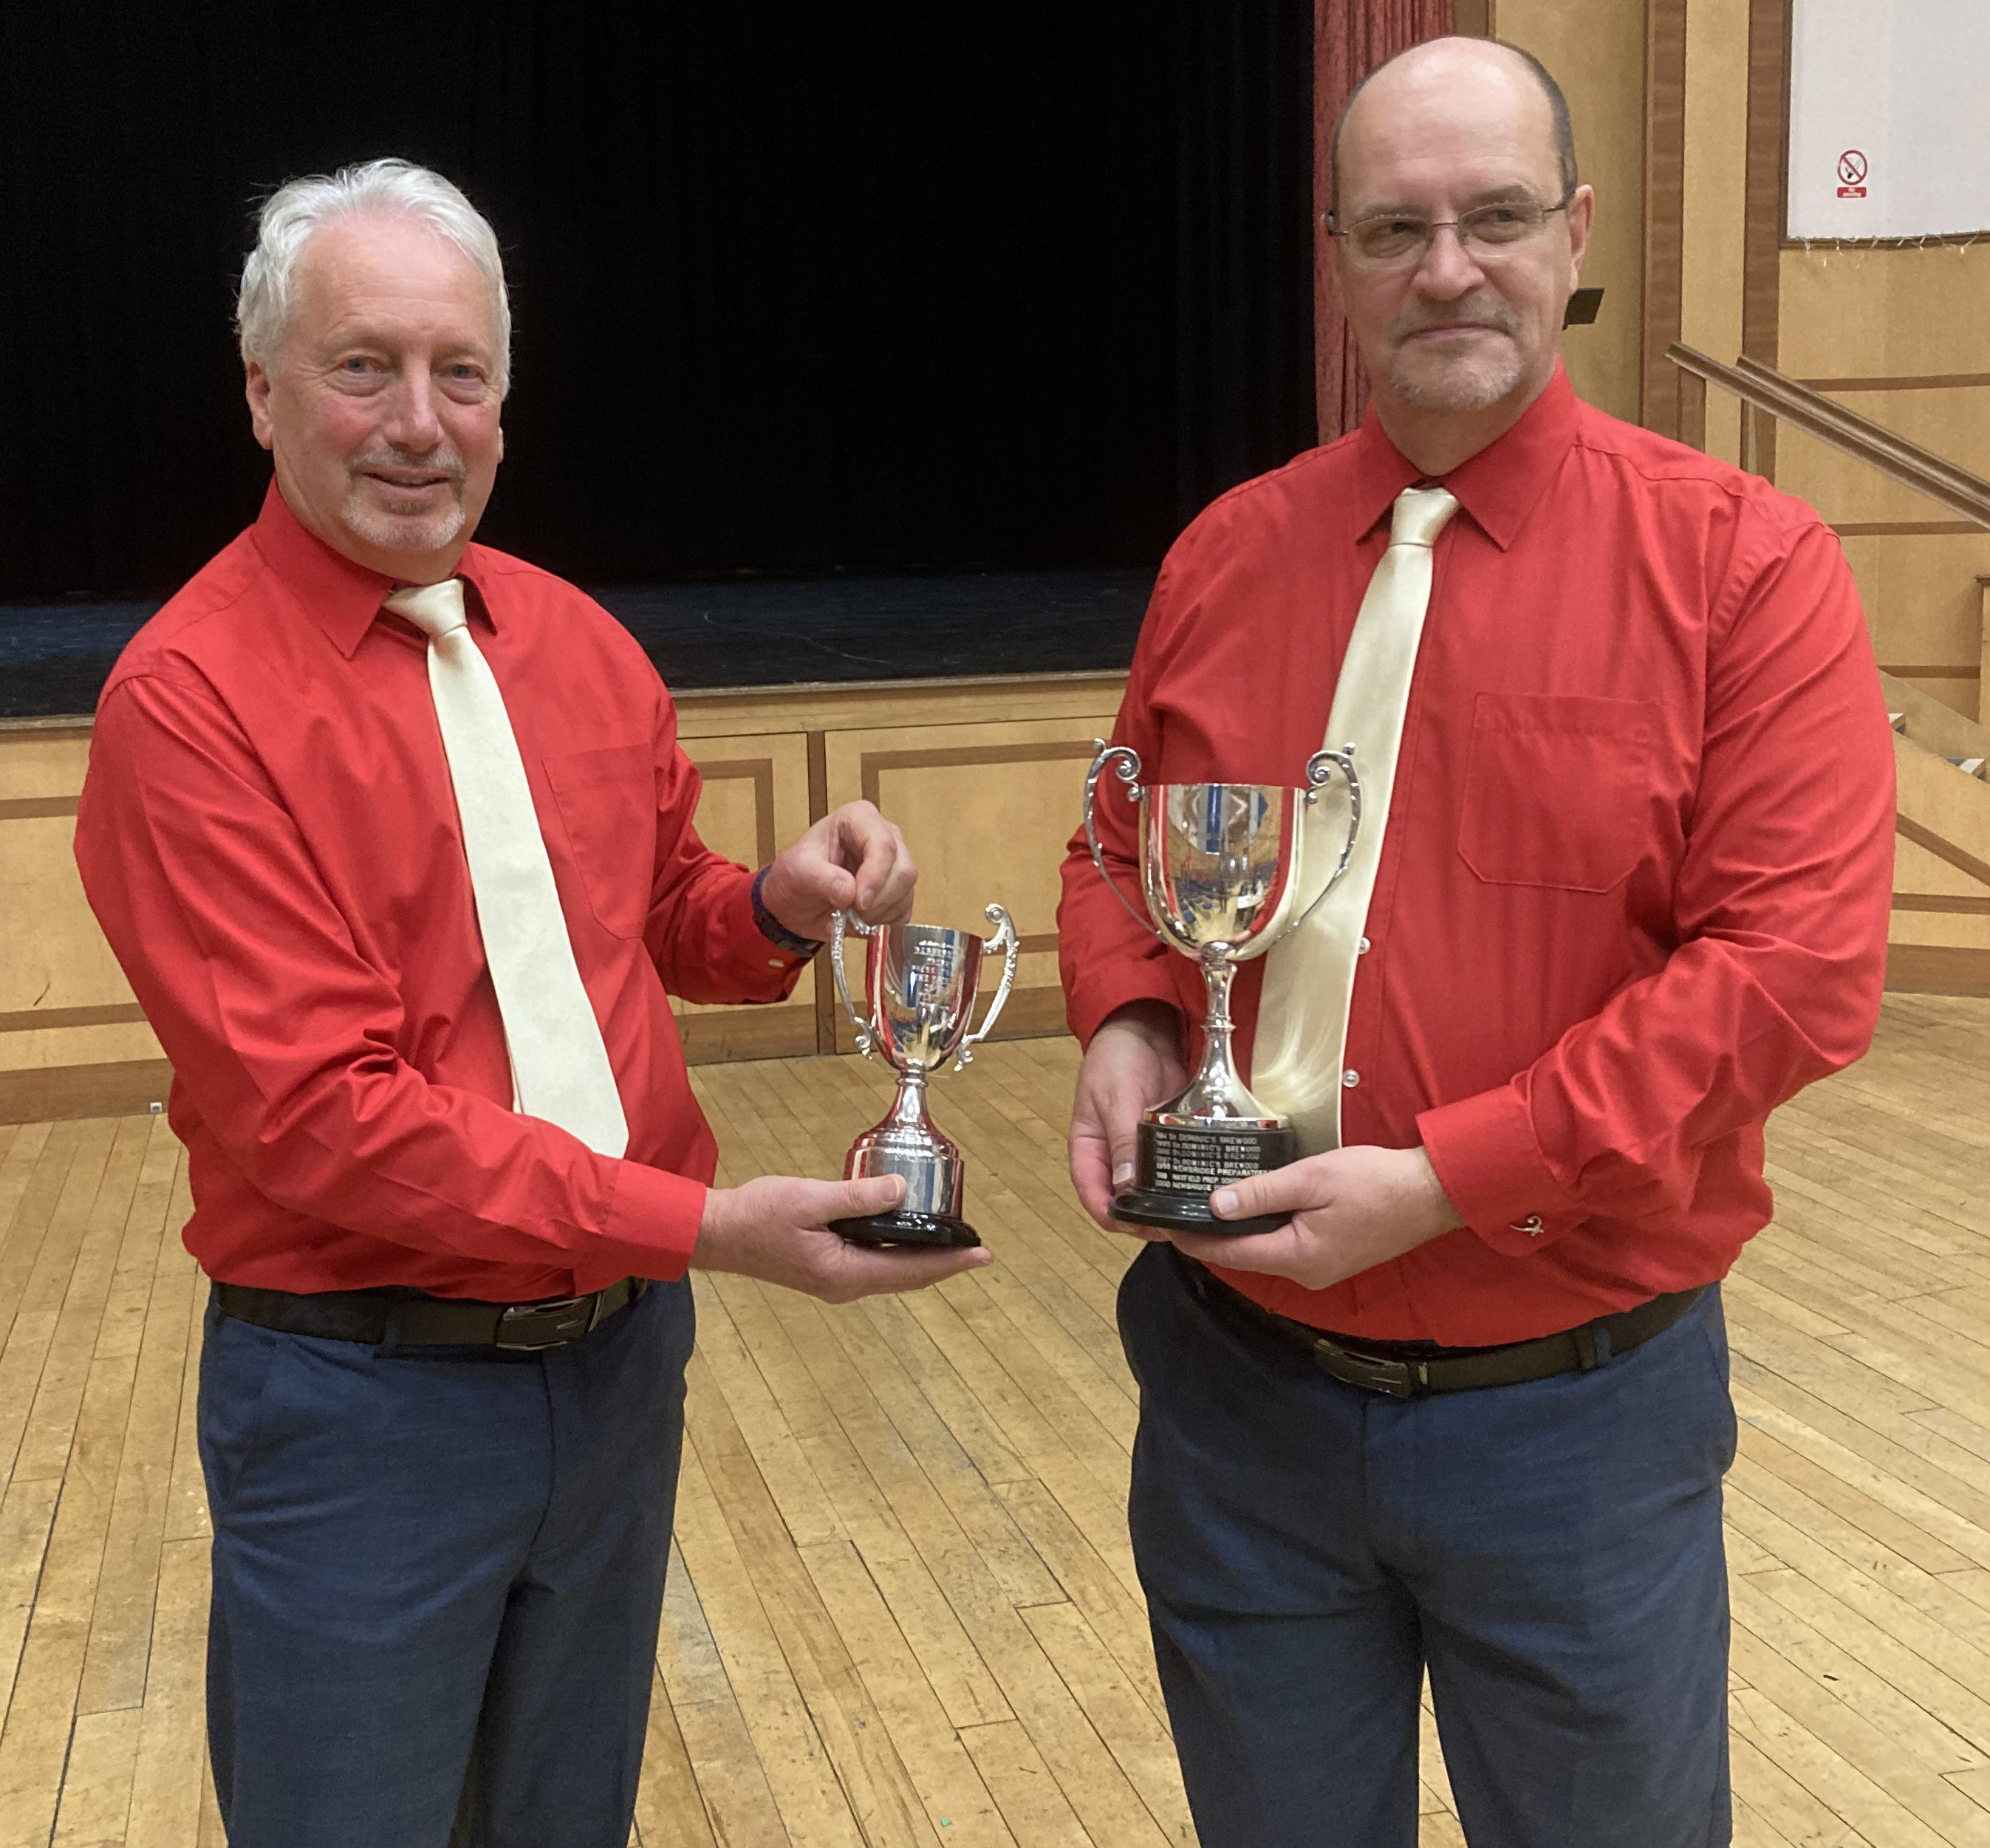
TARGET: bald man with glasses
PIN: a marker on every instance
(1620, 888)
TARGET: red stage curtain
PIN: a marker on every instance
(1350, 38)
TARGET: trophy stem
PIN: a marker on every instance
(1218, 1091)
(909, 1106)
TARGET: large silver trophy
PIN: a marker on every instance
(919, 985)
(1218, 863)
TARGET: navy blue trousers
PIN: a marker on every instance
(1550, 1552)
(438, 1575)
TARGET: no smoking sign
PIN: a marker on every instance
(1851, 173)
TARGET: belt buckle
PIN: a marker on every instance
(564, 1319)
(1397, 1378)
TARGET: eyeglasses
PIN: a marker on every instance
(1394, 240)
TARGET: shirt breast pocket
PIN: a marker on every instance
(1558, 789)
(607, 800)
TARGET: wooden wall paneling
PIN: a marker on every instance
(74, 1042)
(1693, 411)
(1924, 606)
(1939, 937)
(52, 954)
(1942, 848)
(987, 810)
(1935, 726)
(42, 758)
(1983, 651)
(1900, 335)
(61, 1093)
(1713, 217)
(1663, 407)
(35, 808)
(1927, 883)
(865, 705)
(44, 1020)
(1954, 424)
(1934, 382)
(1596, 53)
(1957, 904)
(1894, 319)
(73, 1038)
(1937, 969)
(1768, 59)
(755, 800)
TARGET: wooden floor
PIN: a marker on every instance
(905, 1611)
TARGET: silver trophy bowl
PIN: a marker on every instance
(1220, 866)
(920, 983)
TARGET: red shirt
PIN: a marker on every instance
(269, 838)
(1634, 888)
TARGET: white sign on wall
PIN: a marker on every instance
(1889, 118)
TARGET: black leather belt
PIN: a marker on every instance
(415, 1321)
(1414, 1369)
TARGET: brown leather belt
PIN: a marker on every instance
(415, 1321)
(1409, 1371)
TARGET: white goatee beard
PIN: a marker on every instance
(1468, 388)
(395, 533)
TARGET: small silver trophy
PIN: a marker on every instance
(1217, 861)
(920, 986)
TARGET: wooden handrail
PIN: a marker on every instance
(1769, 391)
(1852, 421)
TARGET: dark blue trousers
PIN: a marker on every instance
(438, 1575)
(1551, 1551)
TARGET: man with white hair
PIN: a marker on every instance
(392, 835)
(1457, 1403)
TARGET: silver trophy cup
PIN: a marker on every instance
(1219, 862)
(920, 986)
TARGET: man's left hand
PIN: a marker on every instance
(852, 860)
(1351, 1209)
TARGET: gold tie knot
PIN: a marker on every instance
(436, 610)
(1420, 515)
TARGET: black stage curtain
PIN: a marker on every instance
(866, 288)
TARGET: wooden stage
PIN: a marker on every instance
(905, 1611)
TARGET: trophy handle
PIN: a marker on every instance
(866, 1040)
(1126, 762)
(1006, 940)
(1319, 770)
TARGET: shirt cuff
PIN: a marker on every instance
(652, 1221)
(1148, 981)
(1487, 1158)
(774, 929)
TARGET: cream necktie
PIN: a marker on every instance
(1301, 1038)
(559, 1065)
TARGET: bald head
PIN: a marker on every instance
(1459, 232)
(1442, 74)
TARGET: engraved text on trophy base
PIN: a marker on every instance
(1176, 1169)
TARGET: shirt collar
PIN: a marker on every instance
(1497, 486)
(341, 597)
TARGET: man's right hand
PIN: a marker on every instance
(1134, 1063)
(776, 1228)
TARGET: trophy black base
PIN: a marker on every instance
(1177, 1166)
(943, 1230)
